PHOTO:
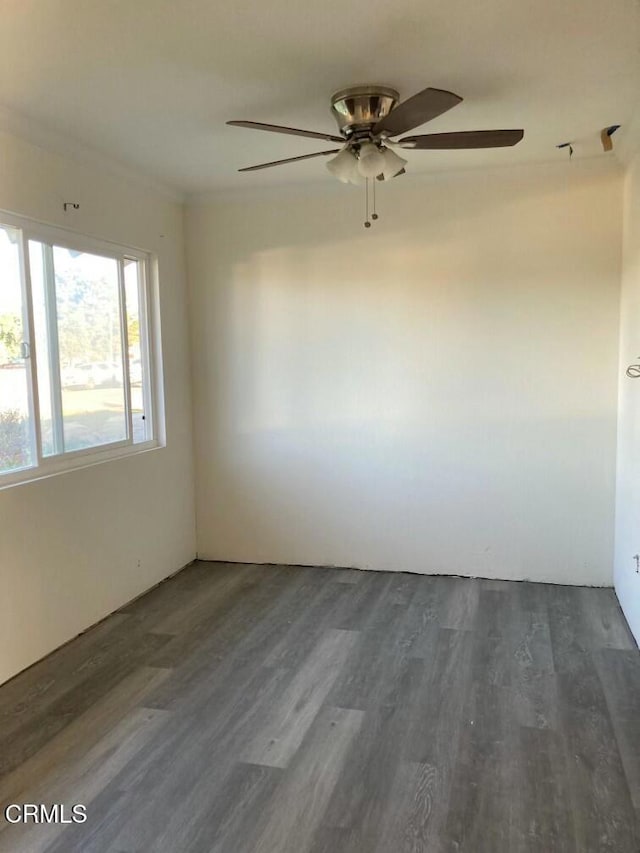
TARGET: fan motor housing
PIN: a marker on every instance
(361, 107)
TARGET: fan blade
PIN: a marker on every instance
(464, 139)
(289, 160)
(415, 111)
(276, 128)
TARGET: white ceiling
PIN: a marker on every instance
(150, 83)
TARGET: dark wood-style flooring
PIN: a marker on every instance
(268, 709)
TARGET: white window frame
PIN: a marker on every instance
(44, 466)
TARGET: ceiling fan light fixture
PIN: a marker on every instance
(343, 166)
(371, 160)
(393, 164)
(368, 116)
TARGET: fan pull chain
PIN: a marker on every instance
(367, 224)
(374, 215)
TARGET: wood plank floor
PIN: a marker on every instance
(272, 709)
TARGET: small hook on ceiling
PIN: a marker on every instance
(568, 145)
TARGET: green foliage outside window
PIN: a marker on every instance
(10, 337)
(14, 441)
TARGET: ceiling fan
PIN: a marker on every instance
(367, 117)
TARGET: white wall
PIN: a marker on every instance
(70, 544)
(435, 395)
(627, 541)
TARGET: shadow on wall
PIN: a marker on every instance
(370, 398)
(345, 330)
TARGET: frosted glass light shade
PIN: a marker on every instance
(343, 165)
(371, 161)
(356, 178)
(393, 164)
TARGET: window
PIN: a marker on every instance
(75, 350)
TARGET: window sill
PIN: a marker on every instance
(80, 459)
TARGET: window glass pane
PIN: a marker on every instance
(90, 349)
(137, 355)
(15, 433)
